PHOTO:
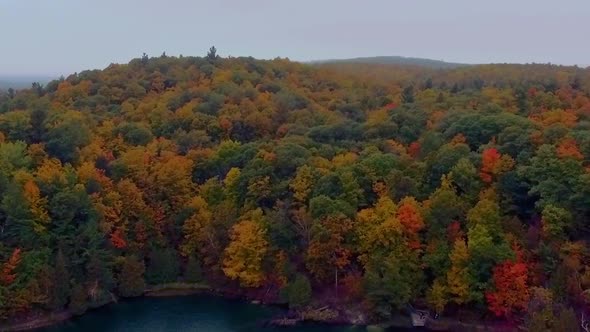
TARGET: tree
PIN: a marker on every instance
(458, 279)
(410, 216)
(378, 229)
(493, 164)
(65, 139)
(568, 148)
(38, 117)
(37, 206)
(99, 277)
(197, 228)
(297, 293)
(437, 296)
(485, 252)
(302, 183)
(328, 252)
(511, 289)
(171, 183)
(244, 254)
(556, 181)
(408, 95)
(323, 206)
(393, 280)
(567, 320)
(444, 207)
(465, 178)
(131, 282)
(60, 277)
(540, 316)
(9, 268)
(192, 272)
(117, 239)
(212, 54)
(486, 213)
(163, 266)
(555, 221)
(79, 301)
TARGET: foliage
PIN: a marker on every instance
(245, 252)
(131, 281)
(387, 184)
(163, 266)
(511, 289)
(297, 293)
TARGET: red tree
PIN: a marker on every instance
(568, 148)
(511, 289)
(8, 269)
(489, 163)
(414, 149)
(117, 239)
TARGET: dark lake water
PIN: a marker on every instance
(184, 313)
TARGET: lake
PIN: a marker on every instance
(183, 313)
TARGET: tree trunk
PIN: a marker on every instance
(336, 280)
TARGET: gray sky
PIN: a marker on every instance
(53, 37)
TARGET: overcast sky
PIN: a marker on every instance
(54, 37)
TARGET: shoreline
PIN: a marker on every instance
(338, 316)
(42, 319)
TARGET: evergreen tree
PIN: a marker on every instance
(192, 272)
(212, 54)
(61, 282)
(408, 95)
(297, 293)
(131, 282)
(163, 266)
(79, 301)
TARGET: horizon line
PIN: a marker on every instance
(4, 76)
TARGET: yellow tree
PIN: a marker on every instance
(458, 275)
(231, 182)
(50, 172)
(245, 252)
(302, 183)
(437, 296)
(37, 205)
(378, 228)
(171, 181)
(197, 229)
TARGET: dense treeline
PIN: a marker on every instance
(380, 185)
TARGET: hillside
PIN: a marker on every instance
(350, 185)
(396, 60)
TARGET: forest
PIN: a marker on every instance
(463, 189)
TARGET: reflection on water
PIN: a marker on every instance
(184, 313)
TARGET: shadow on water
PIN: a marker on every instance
(185, 313)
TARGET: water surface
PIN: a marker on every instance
(184, 313)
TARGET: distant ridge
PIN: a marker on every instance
(396, 60)
(22, 82)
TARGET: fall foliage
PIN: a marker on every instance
(371, 185)
(245, 252)
(511, 289)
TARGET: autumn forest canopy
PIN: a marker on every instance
(379, 186)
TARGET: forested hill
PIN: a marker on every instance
(397, 60)
(375, 186)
